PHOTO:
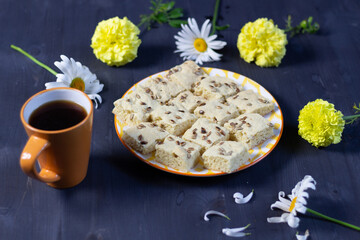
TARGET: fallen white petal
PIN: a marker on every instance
(302, 237)
(240, 199)
(213, 212)
(235, 232)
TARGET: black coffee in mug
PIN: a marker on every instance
(57, 115)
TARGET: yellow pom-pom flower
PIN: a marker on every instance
(263, 42)
(320, 123)
(115, 41)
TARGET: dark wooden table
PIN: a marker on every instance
(123, 198)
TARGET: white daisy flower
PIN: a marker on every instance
(77, 76)
(296, 203)
(195, 44)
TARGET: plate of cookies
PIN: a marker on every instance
(198, 121)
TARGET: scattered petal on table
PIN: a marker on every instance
(240, 199)
(235, 232)
(213, 212)
(302, 237)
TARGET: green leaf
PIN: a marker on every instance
(176, 13)
(161, 18)
(161, 13)
(303, 24)
(154, 5)
(310, 20)
(176, 23)
(220, 28)
(167, 6)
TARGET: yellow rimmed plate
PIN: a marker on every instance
(256, 154)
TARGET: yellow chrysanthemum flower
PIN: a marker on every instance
(320, 123)
(115, 41)
(263, 42)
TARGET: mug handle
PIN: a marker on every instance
(33, 148)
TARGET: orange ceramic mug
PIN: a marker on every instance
(63, 155)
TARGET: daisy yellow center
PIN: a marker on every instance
(292, 204)
(200, 45)
(78, 83)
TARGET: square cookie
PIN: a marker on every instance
(186, 74)
(206, 133)
(175, 120)
(161, 89)
(251, 129)
(216, 111)
(215, 87)
(188, 100)
(250, 102)
(225, 156)
(134, 108)
(144, 136)
(177, 153)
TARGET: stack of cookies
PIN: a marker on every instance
(190, 116)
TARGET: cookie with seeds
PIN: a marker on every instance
(215, 87)
(206, 133)
(134, 108)
(144, 136)
(161, 89)
(173, 119)
(188, 100)
(225, 156)
(177, 153)
(250, 102)
(251, 129)
(186, 74)
(217, 111)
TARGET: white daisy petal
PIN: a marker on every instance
(96, 98)
(63, 78)
(75, 70)
(185, 40)
(194, 27)
(235, 232)
(213, 55)
(94, 87)
(293, 221)
(213, 212)
(217, 44)
(205, 29)
(301, 209)
(55, 84)
(281, 196)
(211, 38)
(240, 199)
(280, 205)
(276, 220)
(302, 237)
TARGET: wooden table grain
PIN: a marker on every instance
(123, 198)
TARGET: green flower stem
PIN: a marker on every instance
(216, 10)
(351, 117)
(332, 219)
(33, 59)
